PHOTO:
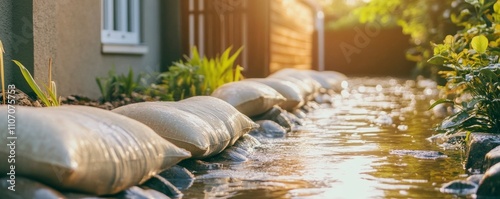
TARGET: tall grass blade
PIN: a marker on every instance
(31, 82)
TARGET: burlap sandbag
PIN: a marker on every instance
(250, 98)
(206, 107)
(202, 137)
(288, 89)
(203, 125)
(334, 78)
(313, 86)
(85, 149)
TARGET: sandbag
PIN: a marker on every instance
(85, 149)
(203, 125)
(334, 79)
(313, 86)
(250, 98)
(236, 123)
(183, 129)
(26, 188)
(289, 90)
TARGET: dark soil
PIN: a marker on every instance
(22, 99)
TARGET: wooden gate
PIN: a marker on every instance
(275, 34)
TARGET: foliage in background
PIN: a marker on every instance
(472, 57)
(216, 71)
(117, 87)
(480, 113)
(180, 82)
(425, 21)
(48, 98)
(196, 75)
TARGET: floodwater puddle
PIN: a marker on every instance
(369, 143)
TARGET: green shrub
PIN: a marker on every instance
(218, 71)
(114, 87)
(196, 75)
(472, 59)
(480, 113)
(425, 21)
(181, 81)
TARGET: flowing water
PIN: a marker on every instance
(353, 148)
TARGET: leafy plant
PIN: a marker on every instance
(425, 21)
(472, 57)
(48, 98)
(183, 81)
(196, 76)
(479, 114)
(218, 71)
(114, 87)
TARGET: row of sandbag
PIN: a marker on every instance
(287, 88)
(89, 150)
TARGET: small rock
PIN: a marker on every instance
(247, 143)
(492, 158)
(179, 176)
(70, 98)
(476, 178)
(107, 106)
(453, 141)
(299, 113)
(229, 154)
(421, 154)
(459, 187)
(239, 152)
(162, 185)
(477, 146)
(268, 129)
(198, 165)
(277, 115)
(490, 184)
(294, 119)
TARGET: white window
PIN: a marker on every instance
(120, 22)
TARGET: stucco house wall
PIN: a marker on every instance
(70, 33)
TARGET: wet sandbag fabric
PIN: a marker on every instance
(84, 149)
(250, 98)
(203, 125)
(288, 89)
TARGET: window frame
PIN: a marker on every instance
(125, 29)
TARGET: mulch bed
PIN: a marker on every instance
(22, 99)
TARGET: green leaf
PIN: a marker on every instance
(479, 43)
(473, 2)
(440, 101)
(496, 7)
(437, 60)
(31, 82)
(455, 120)
(490, 74)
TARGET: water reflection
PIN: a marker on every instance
(344, 151)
